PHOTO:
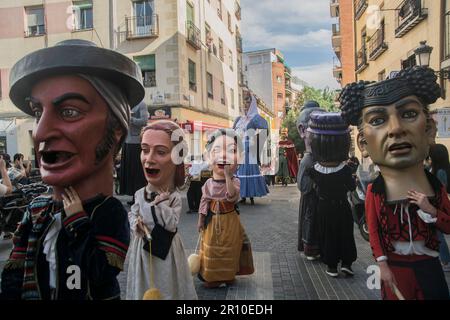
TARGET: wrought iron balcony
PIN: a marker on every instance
(237, 10)
(239, 43)
(336, 29)
(193, 35)
(142, 26)
(336, 37)
(447, 37)
(35, 31)
(334, 8)
(377, 45)
(361, 59)
(409, 14)
(337, 73)
(360, 7)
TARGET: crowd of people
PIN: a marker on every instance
(84, 114)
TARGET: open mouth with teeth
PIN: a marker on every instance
(152, 172)
(55, 157)
(400, 147)
(222, 165)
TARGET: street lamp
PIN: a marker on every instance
(423, 53)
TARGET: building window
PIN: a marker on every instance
(209, 85)
(144, 22)
(279, 79)
(148, 68)
(382, 75)
(219, 9)
(35, 21)
(232, 98)
(280, 96)
(230, 55)
(230, 28)
(189, 12)
(192, 76)
(447, 30)
(222, 92)
(82, 14)
(410, 62)
(255, 60)
(221, 49)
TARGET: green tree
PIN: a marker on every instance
(290, 122)
(325, 98)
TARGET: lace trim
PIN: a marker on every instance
(328, 170)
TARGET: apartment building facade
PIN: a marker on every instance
(343, 41)
(189, 52)
(268, 76)
(388, 32)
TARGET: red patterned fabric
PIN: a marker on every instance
(291, 156)
(385, 227)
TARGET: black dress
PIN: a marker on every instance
(335, 221)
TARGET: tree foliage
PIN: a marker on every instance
(325, 98)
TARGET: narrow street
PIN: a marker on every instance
(281, 272)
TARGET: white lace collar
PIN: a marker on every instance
(328, 170)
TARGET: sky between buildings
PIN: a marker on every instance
(300, 29)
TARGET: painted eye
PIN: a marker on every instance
(70, 113)
(38, 114)
(410, 114)
(376, 121)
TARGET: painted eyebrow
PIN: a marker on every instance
(69, 96)
(377, 110)
(156, 146)
(402, 103)
(33, 102)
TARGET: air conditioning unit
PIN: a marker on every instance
(158, 98)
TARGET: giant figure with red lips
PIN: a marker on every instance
(405, 205)
(72, 244)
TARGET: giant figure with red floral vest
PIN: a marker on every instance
(405, 205)
(72, 244)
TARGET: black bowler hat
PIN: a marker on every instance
(75, 57)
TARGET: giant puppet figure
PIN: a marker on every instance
(307, 231)
(287, 150)
(72, 244)
(250, 127)
(405, 205)
(332, 178)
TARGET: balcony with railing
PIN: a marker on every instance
(447, 36)
(287, 72)
(377, 44)
(336, 35)
(239, 43)
(361, 60)
(334, 8)
(193, 35)
(337, 69)
(409, 14)
(237, 10)
(360, 7)
(142, 26)
(35, 31)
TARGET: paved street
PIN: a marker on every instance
(281, 272)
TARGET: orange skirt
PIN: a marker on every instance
(221, 247)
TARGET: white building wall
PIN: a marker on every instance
(258, 76)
